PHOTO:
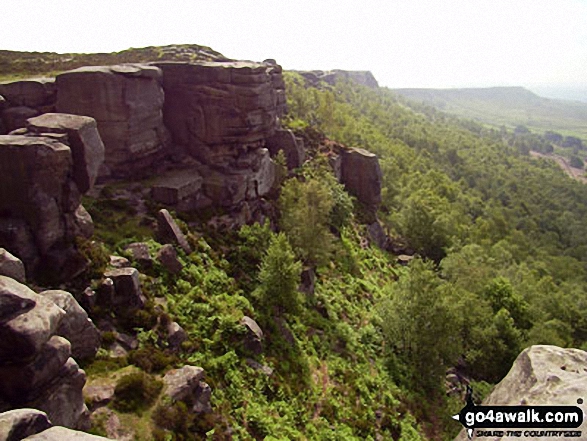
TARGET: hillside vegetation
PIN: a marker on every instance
(14, 64)
(508, 106)
(500, 245)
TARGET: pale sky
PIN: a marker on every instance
(405, 43)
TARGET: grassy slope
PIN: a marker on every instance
(29, 64)
(509, 106)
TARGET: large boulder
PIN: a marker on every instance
(211, 105)
(64, 434)
(35, 366)
(22, 337)
(35, 93)
(39, 202)
(169, 232)
(127, 295)
(11, 266)
(542, 375)
(126, 101)
(292, 147)
(20, 423)
(361, 175)
(87, 149)
(76, 327)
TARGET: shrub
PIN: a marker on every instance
(135, 392)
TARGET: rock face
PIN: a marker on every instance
(42, 177)
(87, 149)
(542, 375)
(76, 327)
(211, 108)
(292, 147)
(11, 266)
(361, 175)
(35, 366)
(126, 101)
(64, 434)
(24, 99)
(20, 423)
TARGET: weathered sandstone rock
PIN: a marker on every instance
(39, 202)
(22, 337)
(169, 232)
(176, 335)
(126, 101)
(214, 104)
(31, 92)
(253, 340)
(20, 384)
(20, 423)
(542, 375)
(76, 327)
(127, 289)
(167, 257)
(15, 118)
(11, 266)
(87, 149)
(176, 185)
(292, 147)
(63, 434)
(361, 175)
(63, 400)
(186, 385)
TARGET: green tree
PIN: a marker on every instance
(305, 215)
(419, 323)
(279, 277)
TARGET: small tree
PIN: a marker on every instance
(279, 276)
(305, 215)
(420, 325)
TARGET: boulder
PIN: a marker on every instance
(63, 399)
(127, 289)
(140, 253)
(542, 375)
(176, 335)
(253, 340)
(361, 175)
(63, 434)
(167, 257)
(22, 337)
(176, 185)
(211, 104)
(293, 148)
(126, 101)
(20, 423)
(75, 326)
(377, 235)
(39, 201)
(181, 384)
(169, 232)
(33, 93)
(87, 149)
(15, 118)
(12, 267)
(20, 384)
(98, 395)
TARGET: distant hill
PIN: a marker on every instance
(15, 64)
(509, 106)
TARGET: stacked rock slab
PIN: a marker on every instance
(127, 102)
(222, 113)
(361, 175)
(42, 178)
(24, 99)
(36, 369)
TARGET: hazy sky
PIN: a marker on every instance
(405, 43)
